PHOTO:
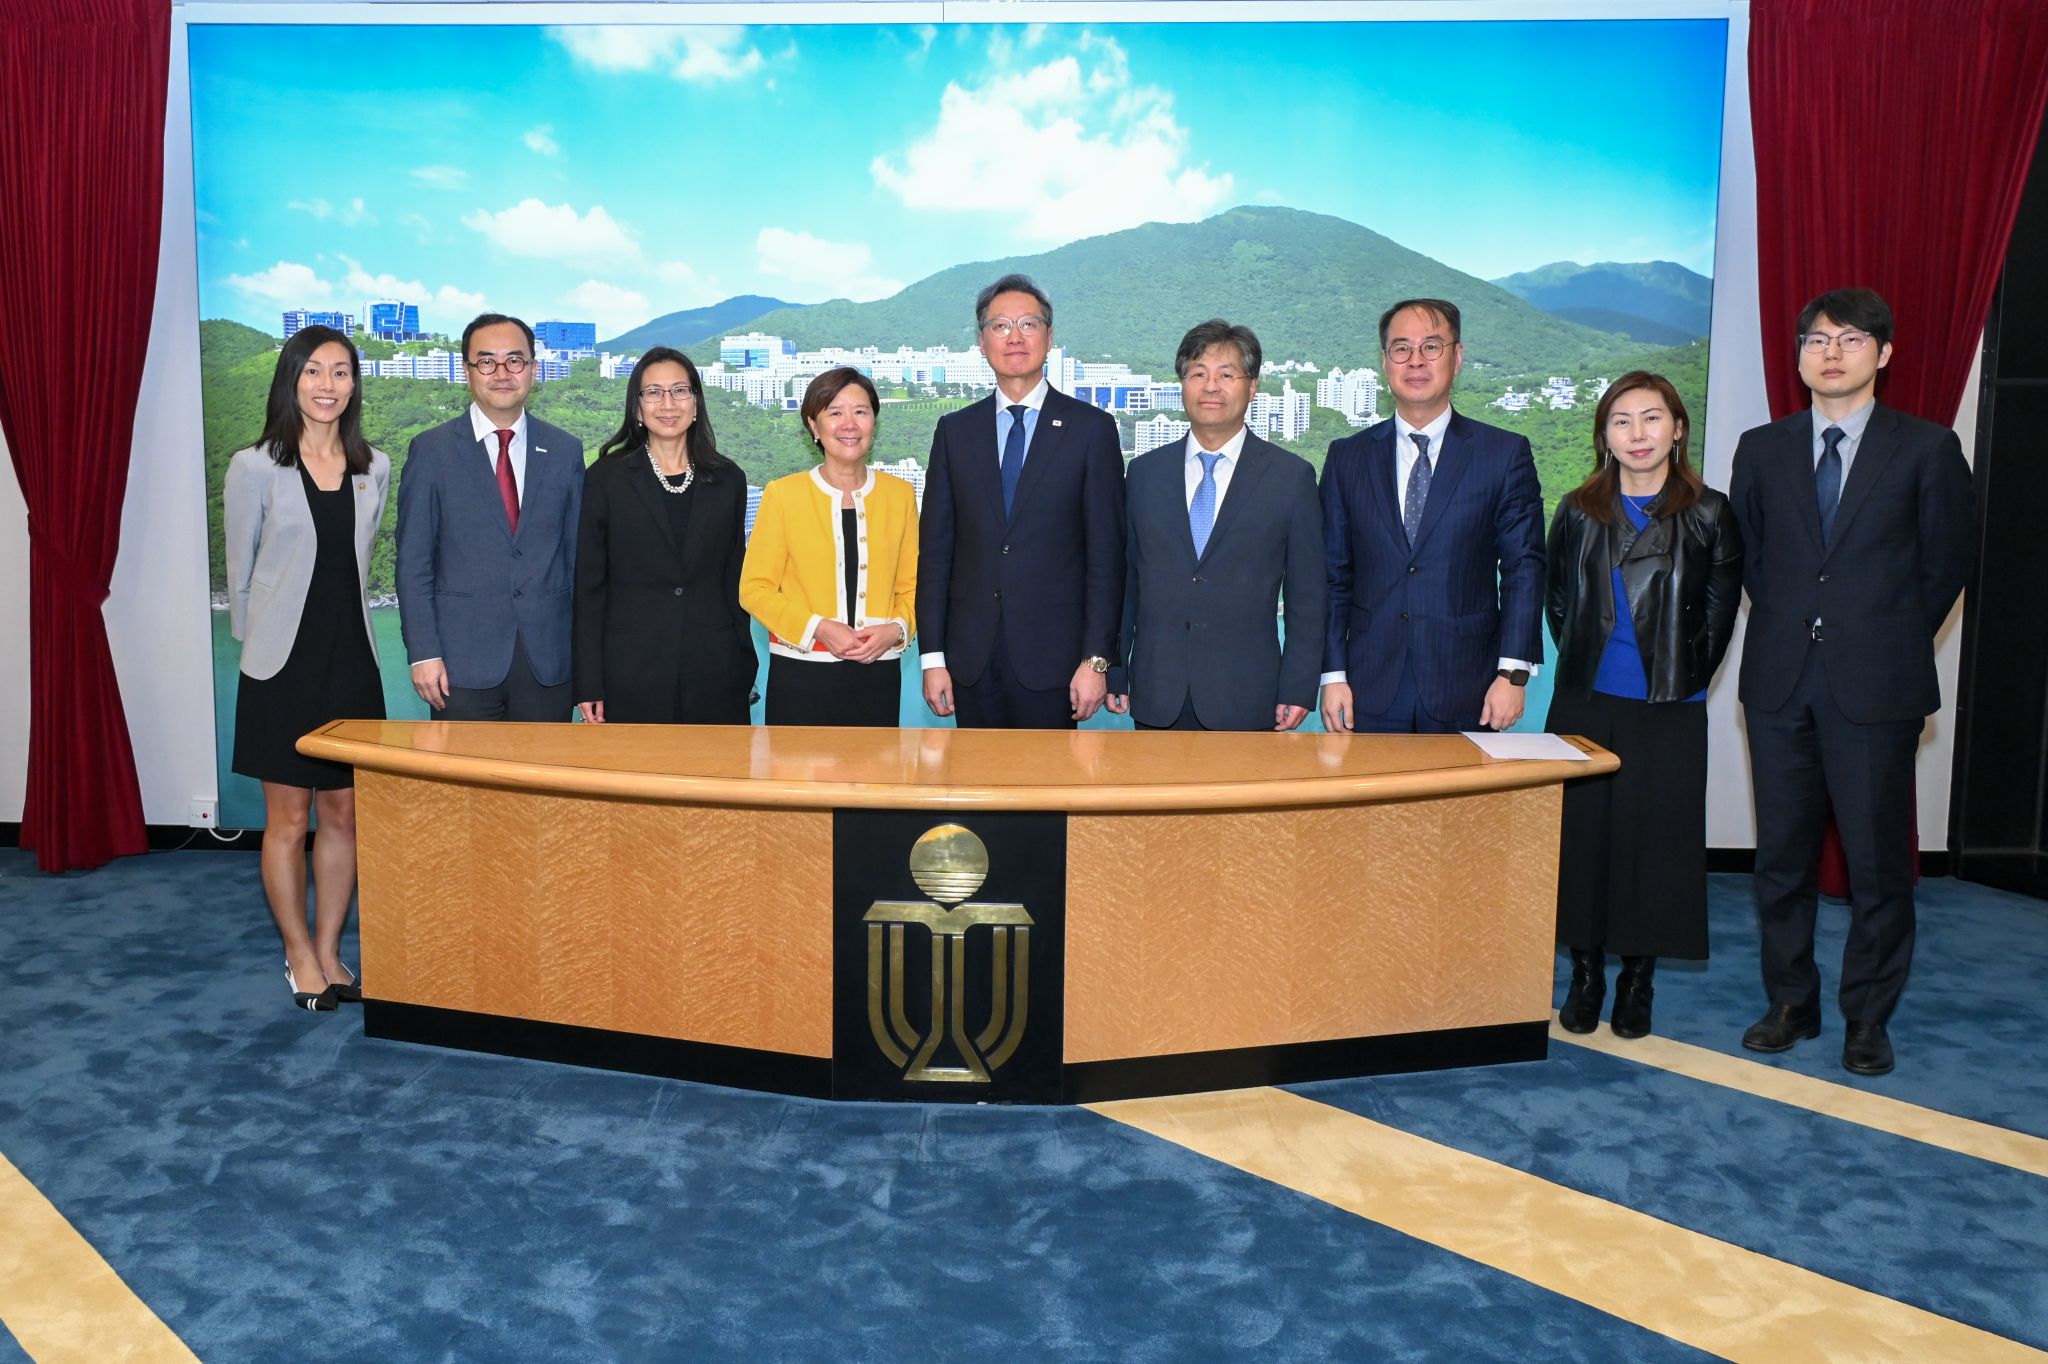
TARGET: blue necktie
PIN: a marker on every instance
(1827, 480)
(1013, 456)
(1418, 487)
(1202, 511)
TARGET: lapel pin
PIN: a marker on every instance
(1055, 421)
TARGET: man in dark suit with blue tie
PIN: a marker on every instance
(1858, 530)
(1020, 566)
(1223, 528)
(1433, 529)
(487, 512)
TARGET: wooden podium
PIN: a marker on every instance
(1214, 910)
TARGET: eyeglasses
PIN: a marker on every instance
(488, 364)
(1850, 342)
(681, 394)
(1431, 349)
(1027, 326)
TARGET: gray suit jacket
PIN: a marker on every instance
(467, 586)
(270, 546)
(1205, 628)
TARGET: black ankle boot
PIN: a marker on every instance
(1581, 1011)
(1632, 992)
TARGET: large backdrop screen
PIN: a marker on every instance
(776, 198)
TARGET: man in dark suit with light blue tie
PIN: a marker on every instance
(487, 512)
(1020, 565)
(1433, 530)
(1858, 533)
(1223, 528)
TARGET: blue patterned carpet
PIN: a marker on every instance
(274, 1185)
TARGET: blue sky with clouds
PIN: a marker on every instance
(616, 173)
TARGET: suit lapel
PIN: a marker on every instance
(1044, 448)
(1252, 462)
(981, 462)
(1796, 456)
(481, 458)
(365, 495)
(539, 472)
(1383, 472)
(1447, 469)
(1873, 452)
(641, 479)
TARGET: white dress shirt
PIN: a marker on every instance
(486, 436)
(1230, 450)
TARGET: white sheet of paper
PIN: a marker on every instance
(1544, 746)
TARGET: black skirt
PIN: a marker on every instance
(1632, 856)
(857, 695)
(331, 673)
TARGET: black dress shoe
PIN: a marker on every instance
(1632, 992)
(1780, 1027)
(1867, 1049)
(1581, 1011)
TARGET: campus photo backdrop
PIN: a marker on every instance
(778, 199)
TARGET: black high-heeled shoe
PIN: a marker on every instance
(321, 1003)
(348, 991)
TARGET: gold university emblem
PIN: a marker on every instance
(949, 864)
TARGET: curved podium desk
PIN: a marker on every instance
(1103, 914)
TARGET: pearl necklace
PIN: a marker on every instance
(689, 475)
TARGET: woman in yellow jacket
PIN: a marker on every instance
(831, 570)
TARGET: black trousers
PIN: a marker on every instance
(997, 700)
(519, 697)
(1803, 759)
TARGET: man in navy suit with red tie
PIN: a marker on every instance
(1433, 530)
(1020, 566)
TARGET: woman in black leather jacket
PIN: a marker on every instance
(1644, 574)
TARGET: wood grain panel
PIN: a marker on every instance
(1206, 932)
(710, 924)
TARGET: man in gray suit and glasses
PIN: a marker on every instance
(487, 511)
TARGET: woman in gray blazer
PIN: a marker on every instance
(302, 504)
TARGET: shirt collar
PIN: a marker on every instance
(1230, 449)
(1853, 425)
(1435, 431)
(483, 426)
(1034, 400)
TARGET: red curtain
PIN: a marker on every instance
(1892, 144)
(81, 197)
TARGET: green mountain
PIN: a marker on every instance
(1653, 301)
(1310, 285)
(692, 325)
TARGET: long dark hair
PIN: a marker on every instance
(699, 443)
(283, 423)
(1596, 497)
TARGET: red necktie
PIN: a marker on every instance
(507, 488)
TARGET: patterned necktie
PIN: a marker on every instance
(1202, 511)
(1013, 456)
(508, 489)
(1418, 487)
(1827, 480)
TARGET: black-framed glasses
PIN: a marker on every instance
(1850, 341)
(1026, 326)
(680, 394)
(488, 364)
(1431, 349)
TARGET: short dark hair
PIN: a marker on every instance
(1441, 310)
(1010, 284)
(283, 423)
(827, 386)
(482, 320)
(1862, 309)
(1217, 332)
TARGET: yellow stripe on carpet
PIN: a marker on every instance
(2000, 1145)
(59, 1298)
(1706, 1293)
